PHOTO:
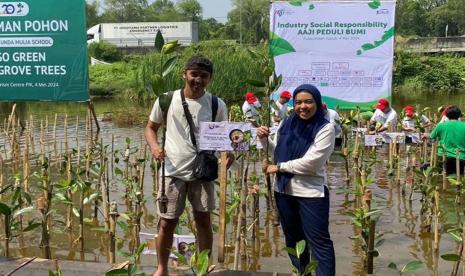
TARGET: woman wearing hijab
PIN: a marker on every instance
(303, 144)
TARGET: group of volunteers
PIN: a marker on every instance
(449, 131)
(307, 131)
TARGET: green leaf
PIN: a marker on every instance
(451, 257)
(159, 41)
(279, 46)
(90, 198)
(125, 216)
(169, 65)
(256, 83)
(412, 266)
(76, 212)
(300, 248)
(164, 100)
(5, 209)
(202, 262)
(23, 211)
(132, 269)
(124, 226)
(32, 226)
(311, 267)
(456, 235)
(181, 258)
(118, 171)
(311, 7)
(296, 3)
(117, 272)
(290, 251)
(392, 266)
(170, 47)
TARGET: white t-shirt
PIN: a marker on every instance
(250, 110)
(310, 170)
(386, 119)
(281, 111)
(180, 151)
(408, 122)
(333, 117)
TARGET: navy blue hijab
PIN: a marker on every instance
(296, 135)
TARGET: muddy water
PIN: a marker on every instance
(399, 222)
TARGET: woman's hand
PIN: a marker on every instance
(271, 169)
(263, 132)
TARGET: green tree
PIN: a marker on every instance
(191, 9)
(163, 11)
(211, 29)
(124, 10)
(451, 15)
(411, 18)
(92, 14)
(249, 20)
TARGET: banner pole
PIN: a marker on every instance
(92, 110)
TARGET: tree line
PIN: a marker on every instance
(248, 20)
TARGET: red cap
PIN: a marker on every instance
(382, 104)
(325, 107)
(286, 94)
(409, 110)
(250, 97)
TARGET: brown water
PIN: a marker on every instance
(399, 222)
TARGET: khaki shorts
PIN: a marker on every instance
(201, 195)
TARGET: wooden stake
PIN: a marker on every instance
(222, 209)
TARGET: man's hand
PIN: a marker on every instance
(157, 153)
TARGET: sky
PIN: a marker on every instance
(217, 9)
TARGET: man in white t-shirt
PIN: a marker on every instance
(179, 156)
(409, 123)
(385, 116)
(333, 117)
(250, 108)
(280, 109)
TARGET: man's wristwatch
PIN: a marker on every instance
(279, 166)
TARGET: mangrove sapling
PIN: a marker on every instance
(12, 212)
(269, 82)
(132, 267)
(409, 267)
(297, 252)
(457, 236)
(240, 229)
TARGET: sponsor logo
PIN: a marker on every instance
(14, 8)
(382, 11)
(282, 12)
(279, 12)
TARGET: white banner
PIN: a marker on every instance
(224, 136)
(344, 48)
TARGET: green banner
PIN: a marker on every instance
(43, 51)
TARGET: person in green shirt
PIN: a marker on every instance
(451, 135)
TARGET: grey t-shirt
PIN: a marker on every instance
(180, 151)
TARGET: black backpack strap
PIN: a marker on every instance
(189, 119)
(214, 107)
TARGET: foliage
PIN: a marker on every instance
(429, 72)
(409, 267)
(104, 51)
(299, 249)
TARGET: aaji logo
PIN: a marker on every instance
(14, 9)
(279, 12)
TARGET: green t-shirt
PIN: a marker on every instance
(451, 134)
